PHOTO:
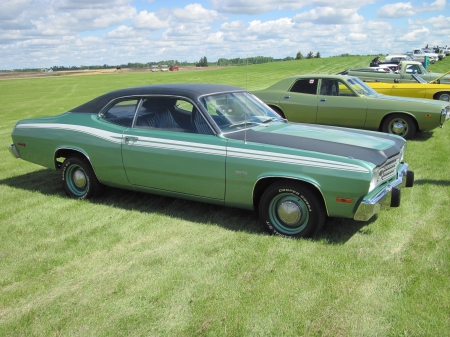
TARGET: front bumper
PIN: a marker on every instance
(13, 150)
(445, 114)
(389, 196)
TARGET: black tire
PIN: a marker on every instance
(401, 125)
(78, 179)
(444, 96)
(291, 209)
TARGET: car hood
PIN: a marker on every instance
(370, 146)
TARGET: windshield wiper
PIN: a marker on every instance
(239, 124)
(268, 120)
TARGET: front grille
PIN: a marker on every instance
(389, 169)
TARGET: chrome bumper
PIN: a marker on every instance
(13, 150)
(445, 114)
(388, 197)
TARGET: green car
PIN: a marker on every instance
(342, 100)
(218, 144)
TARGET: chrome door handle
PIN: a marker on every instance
(323, 99)
(129, 139)
(287, 96)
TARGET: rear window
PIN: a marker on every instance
(305, 86)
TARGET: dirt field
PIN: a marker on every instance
(13, 74)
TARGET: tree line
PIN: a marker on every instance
(203, 62)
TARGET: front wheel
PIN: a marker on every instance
(291, 209)
(401, 125)
(78, 179)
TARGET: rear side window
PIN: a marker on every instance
(122, 112)
(305, 86)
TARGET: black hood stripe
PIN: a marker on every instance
(374, 156)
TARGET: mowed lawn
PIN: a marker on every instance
(133, 264)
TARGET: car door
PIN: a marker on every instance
(169, 154)
(299, 102)
(339, 105)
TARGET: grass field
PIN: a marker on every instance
(132, 264)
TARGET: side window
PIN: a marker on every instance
(307, 86)
(330, 87)
(121, 112)
(344, 90)
(170, 114)
(412, 68)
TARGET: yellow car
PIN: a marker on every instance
(420, 89)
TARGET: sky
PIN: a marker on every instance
(47, 33)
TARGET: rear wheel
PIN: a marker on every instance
(401, 125)
(78, 179)
(278, 111)
(444, 96)
(291, 209)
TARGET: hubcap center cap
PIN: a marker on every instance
(79, 178)
(398, 128)
(289, 212)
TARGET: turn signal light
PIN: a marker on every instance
(345, 200)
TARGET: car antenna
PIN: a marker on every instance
(245, 112)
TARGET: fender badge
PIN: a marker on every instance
(241, 173)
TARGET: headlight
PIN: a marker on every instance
(375, 178)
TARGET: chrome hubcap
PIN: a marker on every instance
(289, 212)
(79, 178)
(398, 128)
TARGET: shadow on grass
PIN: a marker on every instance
(432, 182)
(339, 230)
(422, 136)
(335, 230)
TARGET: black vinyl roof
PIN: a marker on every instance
(189, 90)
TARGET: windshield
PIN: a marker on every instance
(238, 110)
(360, 87)
(418, 78)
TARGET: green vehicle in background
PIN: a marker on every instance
(347, 101)
(404, 74)
(218, 144)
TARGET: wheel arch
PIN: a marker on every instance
(439, 93)
(380, 126)
(277, 109)
(63, 153)
(263, 183)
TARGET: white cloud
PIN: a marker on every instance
(254, 7)
(406, 9)
(270, 28)
(397, 10)
(195, 13)
(43, 33)
(330, 16)
(417, 35)
(11, 9)
(146, 20)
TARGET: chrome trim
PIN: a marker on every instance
(445, 114)
(13, 150)
(369, 207)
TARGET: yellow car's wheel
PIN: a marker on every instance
(445, 96)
